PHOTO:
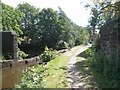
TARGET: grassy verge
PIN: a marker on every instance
(55, 76)
(86, 68)
(50, 75)
(99, 78)
(90, 76)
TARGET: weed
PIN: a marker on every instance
(104, 65)
(48, 54)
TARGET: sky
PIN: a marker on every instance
(74, 9)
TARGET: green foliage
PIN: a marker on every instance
(1, 57)
(50, 75)
(48, 54)
(21, 55)
(51, 28)
(103, 11)
(62, 44)
(55, 76)
(33, 77)
(103, 65)
(71, 33)
(46, 22)
(94, 19)
(10, 20)
(42, 75)
(40, 28)
(107, 65)
(28, 25)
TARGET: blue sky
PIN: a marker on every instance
(74, 9)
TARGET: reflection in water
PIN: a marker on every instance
(12, 75)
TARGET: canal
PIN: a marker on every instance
(12, 75)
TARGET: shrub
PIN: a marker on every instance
(62, 44)
(22, 55)
(1, 57)
(33, 77)
(48, 54)
(104, 65)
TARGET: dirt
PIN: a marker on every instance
(75, 77)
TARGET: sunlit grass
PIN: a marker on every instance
(55, 76)
(50, 75)
(56, 73)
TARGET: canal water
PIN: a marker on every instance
(12, 75)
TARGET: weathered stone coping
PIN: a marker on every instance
(31, 61)
(13, 63)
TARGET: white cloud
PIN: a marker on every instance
(73, 8)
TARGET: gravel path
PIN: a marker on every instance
(74, 77)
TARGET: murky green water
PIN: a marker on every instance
(12, 75)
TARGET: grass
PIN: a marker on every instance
(86, 73)
(56, 73)
(99, 78)
(50, 75)
(92, 76)
(55, 76)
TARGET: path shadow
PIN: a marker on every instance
(86, 75)
(90, 76)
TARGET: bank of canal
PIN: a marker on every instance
(12, 71)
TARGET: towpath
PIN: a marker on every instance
(76, 76)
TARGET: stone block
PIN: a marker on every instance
(9, 45)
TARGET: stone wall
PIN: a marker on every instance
(110, 40)
(14, 63)
(9, 45)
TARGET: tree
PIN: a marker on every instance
(94, 20)
(28, 21)
(11, 19)
(71, 34)
(49, 27)
(46, 23)
(102, 12)
(65, 27)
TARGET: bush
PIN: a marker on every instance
(104, 65)
(21, 54)
(48, 54)
(1, 57)
(33, 77)
(62, 45)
